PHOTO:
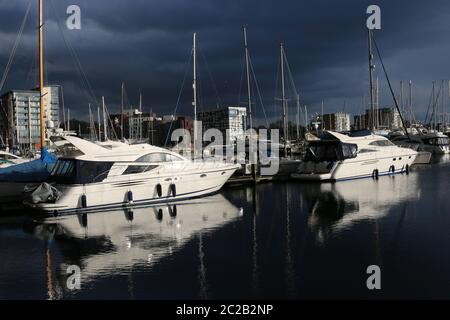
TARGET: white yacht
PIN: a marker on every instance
(357, 155)
(90, 176)
(435, 142)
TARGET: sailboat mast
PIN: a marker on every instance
(121, 111)
(194, 85)
(104, 119)
(41, 74)
(140, 114)
(410, 103)
(99, 124)
(283, 98)
(298, 117)
(247, 66)
(371, 68)
(90, 122)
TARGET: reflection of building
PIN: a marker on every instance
(385, 118)
(336, 121)
(228, 119)
(20, 116)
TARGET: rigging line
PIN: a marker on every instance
(436, 101)
(212, 78)
(241, 81)
(291, 78)
(257, 89)
(110, 122)
(188, 64)
(82, 73)
(390, 86)
(14, 49)
(429, 105)
(32, 75)
(277, 81)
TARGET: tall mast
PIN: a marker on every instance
(121, 111)
(410, 103)
(371, 67)
(247, 66)
(99, 124)
(321, 120)
(194, 86)
(298, 117)
(434, 108)
(140, 114)
(283, 98)
(306, 118)
(41, 75)
(402, 107)
(104, 119)
(30, 143)
(68, 119)
(90, 123)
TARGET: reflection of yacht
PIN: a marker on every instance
(362, 154)
(113, 241)
(339, 206)
(89, 176)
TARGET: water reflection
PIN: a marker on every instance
(335, 208)
(116, 242)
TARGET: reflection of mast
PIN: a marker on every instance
(202, 269)
(255, 270)
(290, 275)
(48, 266)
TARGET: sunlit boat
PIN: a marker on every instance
(357, 155)
(89, 176)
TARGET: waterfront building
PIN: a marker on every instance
(229, 120)
(20, 116)
(338, 122)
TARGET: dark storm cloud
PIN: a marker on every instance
(147, 45)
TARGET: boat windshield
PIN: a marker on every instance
(69, 171)
(330, 151)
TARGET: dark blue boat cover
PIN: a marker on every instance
(33, 171)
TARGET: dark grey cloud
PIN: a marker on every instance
(147, 44)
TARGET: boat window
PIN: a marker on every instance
(158, 157)
(366, 150)
(381, 143)
(68, 171)
(138, 169)
(334, 151)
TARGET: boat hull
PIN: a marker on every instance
(136, 192)
(358, 168)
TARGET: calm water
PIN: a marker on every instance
(281, 240)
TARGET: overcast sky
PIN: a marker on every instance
(147, 44)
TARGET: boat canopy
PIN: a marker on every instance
(33, 171)
(330, 151)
